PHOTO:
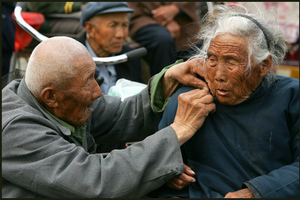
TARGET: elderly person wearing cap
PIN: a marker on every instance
(249, 147)
(53, 118)
(106, 25)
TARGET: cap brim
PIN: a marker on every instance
(115, 10)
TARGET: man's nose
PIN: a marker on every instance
(97, 92)
(120, 32)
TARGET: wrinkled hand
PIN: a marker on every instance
(185, 73)
(165, 14)
(174, 29)
(243, 193)
(183, 180)
(193, 107)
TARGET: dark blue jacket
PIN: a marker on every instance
(254, 144)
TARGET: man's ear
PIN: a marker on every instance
(266, 66)
(88, 28)
(49, 97)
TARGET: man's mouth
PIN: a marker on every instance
(88, 108)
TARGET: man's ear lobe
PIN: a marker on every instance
(266, 65)
(88, 28)
(49, 97)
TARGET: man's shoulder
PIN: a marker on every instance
(17, 106)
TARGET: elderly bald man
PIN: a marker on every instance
(53, 119)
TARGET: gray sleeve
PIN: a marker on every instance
(38, 160)
(115, 121)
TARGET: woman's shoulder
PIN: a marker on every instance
(183, 89)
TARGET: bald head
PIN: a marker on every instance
(53, 62)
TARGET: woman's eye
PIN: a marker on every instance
(232, 62)
(212, 60)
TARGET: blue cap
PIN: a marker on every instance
(97, 8)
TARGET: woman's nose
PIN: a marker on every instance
(221, 74)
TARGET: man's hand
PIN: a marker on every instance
(183, 180)
(243, 193)
(165, 14)
(186, 73)
(193, 107)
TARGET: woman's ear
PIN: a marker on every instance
(49, 97)
(266, 66)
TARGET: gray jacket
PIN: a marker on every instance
(41, 159)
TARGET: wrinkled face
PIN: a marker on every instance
(76, 99)
(108, 33)
(227, 58)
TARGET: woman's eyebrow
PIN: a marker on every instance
(229, 57)
(209, 53)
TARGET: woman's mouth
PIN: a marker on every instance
(222, 92)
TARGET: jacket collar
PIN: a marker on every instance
(26, 95)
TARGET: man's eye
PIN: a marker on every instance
(113, 25)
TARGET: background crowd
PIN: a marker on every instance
(166, 29)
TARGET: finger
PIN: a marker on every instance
(188, 170)
(163, 22)
(206, 99)
(184, 179)
(174, 186)
(177, 184)
(196, 82)
(197, 68)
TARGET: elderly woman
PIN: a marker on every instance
(249, 147)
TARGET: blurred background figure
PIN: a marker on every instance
(165, 29)
(106, 27)
(62, 18)
(8, 35)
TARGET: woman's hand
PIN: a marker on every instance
(183, 180)
(243, 193)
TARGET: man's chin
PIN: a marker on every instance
(116, 49)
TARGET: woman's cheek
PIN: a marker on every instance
(211, 86)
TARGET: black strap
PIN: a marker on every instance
(260, 26)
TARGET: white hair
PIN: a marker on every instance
(263, 38)
(52, 63)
